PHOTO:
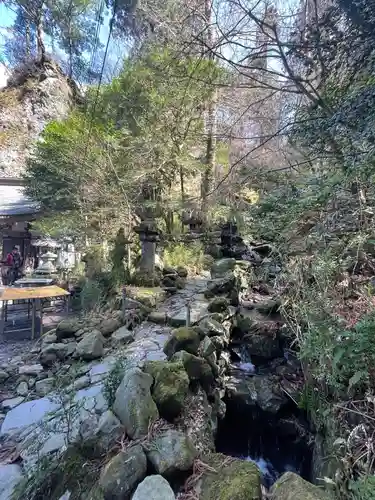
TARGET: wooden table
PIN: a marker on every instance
(33, 295)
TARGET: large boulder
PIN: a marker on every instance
(122, 474)
(171, 452)
(171, 385)
(109, 325)
(134, 405)
(91, 346)
(290, 486)
(221, 267)
(229, 480)
(154, 488)
(259, 391)
(182, 339)
(67, 328)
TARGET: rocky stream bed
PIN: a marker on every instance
(188, 396)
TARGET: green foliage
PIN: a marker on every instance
(188, 255)
(363, 488)
(344, 359)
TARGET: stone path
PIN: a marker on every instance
(39, 425)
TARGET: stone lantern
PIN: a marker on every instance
(148, 236)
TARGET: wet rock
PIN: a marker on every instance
(122, 336)
(122, 474)
(262, 391)
(108, 326)
(22, 389)
(171, 452)
(232, 479)
(182, 339)
(290, 486)
(67, 328)
(171, 385)
(197, 368)
(158, 317)
(263, 346)
(221, 267)
(43, 387)
(91, 346)
(154, 488)
(31, 370)
(3, 376)
(218, 305)
(134, 405)
(10, 475)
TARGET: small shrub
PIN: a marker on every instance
(190, 256)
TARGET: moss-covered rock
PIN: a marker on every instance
(218, 305)
(290, 486)
(148, 296)
(197, 368)
(233, 480)
(134, 405)
(171, 452)
(182, 339)
(171, 386)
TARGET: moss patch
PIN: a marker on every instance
(148, 296)
(171, 386)
(233, 479)
(291, 486)
(182, 339)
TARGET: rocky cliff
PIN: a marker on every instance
(35, 94)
